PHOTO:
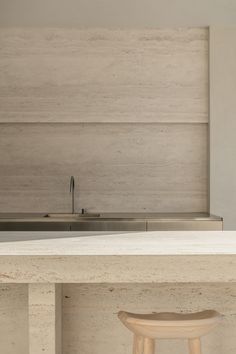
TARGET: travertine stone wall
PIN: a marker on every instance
(125, 112)
(90, 324)
(14, 318)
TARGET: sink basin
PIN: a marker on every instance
(71, 216)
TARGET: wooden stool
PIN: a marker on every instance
(147, 328)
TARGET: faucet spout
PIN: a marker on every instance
(72, 191)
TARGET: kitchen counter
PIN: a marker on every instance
(114, 257)
(160, 216)
(109, 222)
(155, 243)
(153, 257)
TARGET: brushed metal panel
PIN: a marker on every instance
(34, 226)
(109, 225)
(187, 225)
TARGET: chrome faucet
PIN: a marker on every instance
(72, 191)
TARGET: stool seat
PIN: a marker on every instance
(171, 325)
(147, 328)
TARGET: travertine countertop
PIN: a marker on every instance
(111, 243)
(98, 257)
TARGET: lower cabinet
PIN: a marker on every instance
(109, 225)
(34, 226)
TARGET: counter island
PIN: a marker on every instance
(74, 283)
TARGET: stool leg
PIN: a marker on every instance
(138, 345)
(148, 346)
(194, 346)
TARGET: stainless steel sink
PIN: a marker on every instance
(72, 216)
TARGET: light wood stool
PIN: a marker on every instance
(147, 328)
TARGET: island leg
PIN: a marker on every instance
(44, 301)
